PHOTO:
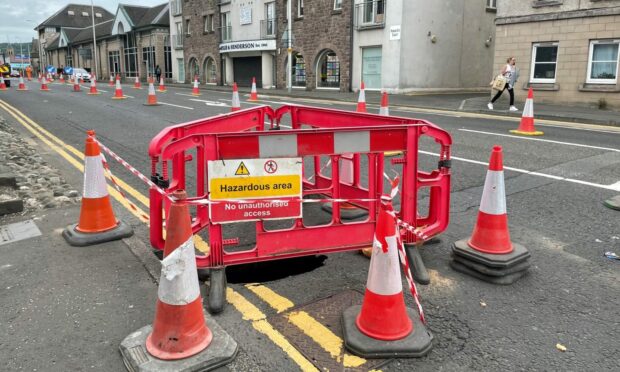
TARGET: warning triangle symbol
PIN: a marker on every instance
(242, 170)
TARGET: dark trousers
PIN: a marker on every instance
(510, 91)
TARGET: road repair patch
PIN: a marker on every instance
(327, 353)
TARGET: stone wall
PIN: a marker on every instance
(201, 45)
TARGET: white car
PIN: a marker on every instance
(81, 73)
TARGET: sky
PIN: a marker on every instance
(18, 18)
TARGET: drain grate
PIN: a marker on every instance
(18, 231)
(328, 312)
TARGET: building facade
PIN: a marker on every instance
(410, 45)
(201, 32)
(566, 50)
(176, 38)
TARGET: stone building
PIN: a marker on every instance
(201, 33)
(566, 50)
(411, 45)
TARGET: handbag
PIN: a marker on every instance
(499, 83)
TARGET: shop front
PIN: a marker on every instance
(244, 60)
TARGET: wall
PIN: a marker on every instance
(201, 45)
(511, 8)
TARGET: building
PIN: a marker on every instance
(200, 41)
(566, 50)
(411, 45)
(131, 42)
(176, 39)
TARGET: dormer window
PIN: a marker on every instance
(70, 12)
(98, 15)
(84, 14)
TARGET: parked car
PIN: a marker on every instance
(14, 73)
(81, 73)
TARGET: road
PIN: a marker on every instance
(554, 187)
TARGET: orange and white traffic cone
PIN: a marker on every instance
(44, 84)
(93, 86)
(253, 93)
(526, 127)
(118, 92)
(195, 89)
(383, 325)
(22, 85)
(111, 83)
(489, 253)
(97, 223)
(384, 109)
(136, 84)
(76, 84)
(180, 338)
(151, 99)
(2, 83)
(162, 87)
(361, 100)
(236, 104)
(81, 80)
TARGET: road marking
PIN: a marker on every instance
(185, 94)
(276, 301)
(323, 336)
(246, 102)
(542, 140)
(210, 103)
(170, 104)
(252, 313)
(613, 187)
(128, 96)
(201, 245)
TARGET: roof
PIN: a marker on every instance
(141, 16)
(102, 29)
(53, 44)
(62, 18)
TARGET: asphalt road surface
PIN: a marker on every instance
(554, 185)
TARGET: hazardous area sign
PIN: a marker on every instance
(241, 189)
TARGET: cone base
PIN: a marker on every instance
(196, 94)
(534, 133)
(80, 239)
(123, 97)
(346, 213)
(22, 90)
(94, 94)
(162, 91)
(491, 271)
(613, 203)
(501, 280)
(44, 90)
(222, 350)
(518, 254)
(151, 104)
(417, 344)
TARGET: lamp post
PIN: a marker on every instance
(289, 49)
(94, 55)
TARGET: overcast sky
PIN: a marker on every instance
(18, 18)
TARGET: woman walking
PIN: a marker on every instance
(511, 74)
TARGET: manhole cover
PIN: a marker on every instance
(18, 231)
(324, 348)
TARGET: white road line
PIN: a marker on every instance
(129, 96)
(542, 140)
(185, 94)
(210, 103)
(170, 104)
(613, 187)
(249, 103)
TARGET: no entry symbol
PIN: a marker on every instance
(271, 166)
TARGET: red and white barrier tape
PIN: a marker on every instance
(106, 166)
(414, 290)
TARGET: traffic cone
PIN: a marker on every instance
(44, 84)
(162, 87)
(76, 84)
(253, 93)
(93, 86)
(151, 99)
(97, 223)
(179, 338)
(111, 83)
(2, 83)
(526, 127)
(21, 85)
(236, 105)
(40, 77)
(489, 253)
(383, 325)
(118, 93)
(384, 109)
(361, 101)
(195, 90)
(81, 80)
(61, 79)
(136, 84)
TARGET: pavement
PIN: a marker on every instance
(465, 101)
(555, 186)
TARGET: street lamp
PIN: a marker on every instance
(92, 14)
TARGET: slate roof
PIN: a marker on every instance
(101, 30)
(63, 19)
(141, 16)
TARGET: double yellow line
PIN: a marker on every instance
(324, 337)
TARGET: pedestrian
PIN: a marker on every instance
(158, 72)
(511, 74)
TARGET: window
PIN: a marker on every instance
(50, 30)
(167, 58)
(187, 31)
(373, 12)
(70, 12)
(148, 58)
(328, 70)
(544, 63)
(337, 4)
(131, 55)
(298, 75)
(177, 7)
(492, 4)
(300, 8)
(208, 23)
(210, 71)
(194, 70)
(178, 42)
(84, 14)
(114, 61)
(181, 67)
(603, 62)
(98, 15)
(226, 29)
(270, 20)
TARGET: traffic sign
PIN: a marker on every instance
(257, 181)
(51, 69)
(68, 70)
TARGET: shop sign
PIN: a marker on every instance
(247, 46)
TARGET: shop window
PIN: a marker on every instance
(210, 71)
(194, 69)
(603, 62)
(298, 71)
(544, 62)
(328, 70)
